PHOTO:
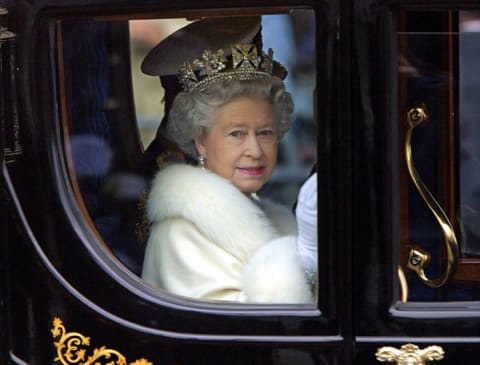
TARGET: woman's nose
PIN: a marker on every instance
(253, 148)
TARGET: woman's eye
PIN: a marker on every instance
(266, 132)
(236, 133)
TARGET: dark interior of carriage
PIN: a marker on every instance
(104, 141)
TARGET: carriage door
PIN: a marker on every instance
(418, 67)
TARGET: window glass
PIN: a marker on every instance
(112, 112)
(469, 158)
(438, 154)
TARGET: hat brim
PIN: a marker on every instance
(190, 41)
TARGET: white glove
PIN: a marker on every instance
(306, 214)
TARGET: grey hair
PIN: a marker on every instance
(192, 112)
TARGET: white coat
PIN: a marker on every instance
(209, 241)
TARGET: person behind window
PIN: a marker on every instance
(211, 236)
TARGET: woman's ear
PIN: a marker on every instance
(200, 145)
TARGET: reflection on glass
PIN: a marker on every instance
(469, 132)
(218, 217)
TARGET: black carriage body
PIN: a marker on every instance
(61, 287)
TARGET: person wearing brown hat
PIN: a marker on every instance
(211, 236)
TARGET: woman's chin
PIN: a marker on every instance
(249, 187)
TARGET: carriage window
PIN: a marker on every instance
(232, 165)
(439, 154)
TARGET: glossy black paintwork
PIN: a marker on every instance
(53, 264)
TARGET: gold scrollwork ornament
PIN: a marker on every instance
(72, 349)
(409, 354)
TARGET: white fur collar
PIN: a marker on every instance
(223, 213)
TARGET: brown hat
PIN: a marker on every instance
(190, 41)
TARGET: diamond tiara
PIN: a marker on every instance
(246, 64)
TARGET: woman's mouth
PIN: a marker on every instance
(252, 171)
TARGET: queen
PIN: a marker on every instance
(211, 236)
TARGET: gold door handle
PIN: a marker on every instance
(409, 354)
(418, 258)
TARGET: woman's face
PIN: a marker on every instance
(241, 145)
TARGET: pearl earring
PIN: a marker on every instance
(201, 160)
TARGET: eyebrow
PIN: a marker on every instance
(243, 124)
